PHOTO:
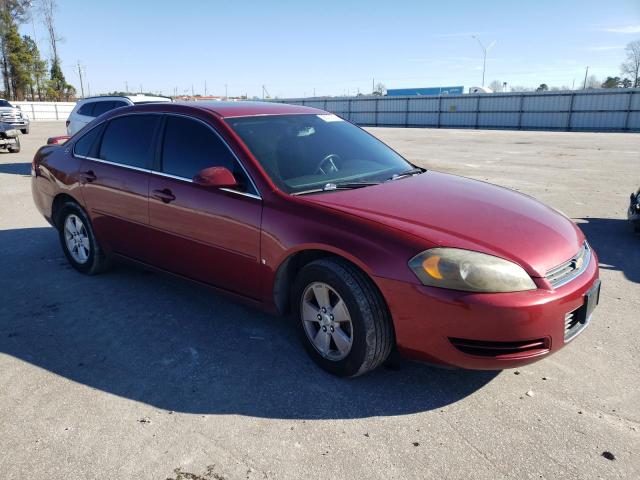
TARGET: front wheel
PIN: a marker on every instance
(78, 241)
(15, 147)
(343, 320)
(25, 131)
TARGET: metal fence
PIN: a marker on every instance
(43, 111)
(590, 110)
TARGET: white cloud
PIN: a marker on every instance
(625, 29)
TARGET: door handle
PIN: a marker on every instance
(165, 195)
(87, 176)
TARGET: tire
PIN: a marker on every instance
(92, 260)
(14, 148)
(368, 328)
(25, 131)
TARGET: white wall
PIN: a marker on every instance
(46, 111)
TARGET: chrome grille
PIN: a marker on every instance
(567, 271)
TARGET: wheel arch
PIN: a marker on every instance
(292, 264)
(58, 201)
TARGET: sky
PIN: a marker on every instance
(327, 47)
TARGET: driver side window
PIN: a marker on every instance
(189, 146)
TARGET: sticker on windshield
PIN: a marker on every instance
(330, 118)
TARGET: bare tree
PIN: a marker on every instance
(380, 89)
(631, 66)
(593, 82)
(496, 86)
(48, 8)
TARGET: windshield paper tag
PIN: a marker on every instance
(330, 118)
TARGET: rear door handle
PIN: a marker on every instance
(87, 176)
(165, 195)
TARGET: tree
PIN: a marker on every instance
(592, 82)
(631, 66)
(542, 88)
(612, 82)
(380, 89)
(496, 86)
(626, 83)
(12, 12)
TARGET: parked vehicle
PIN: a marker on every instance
(300, 212)
(89, 108)
(14, 116)
(9, 137)
(633, 214)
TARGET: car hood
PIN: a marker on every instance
(453, 211)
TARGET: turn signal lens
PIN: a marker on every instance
(430, 266)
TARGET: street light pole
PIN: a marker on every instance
(484, 54)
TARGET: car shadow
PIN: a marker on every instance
(180, 347)
(16, 168)
(617, 246)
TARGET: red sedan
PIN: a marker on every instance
(300, 212)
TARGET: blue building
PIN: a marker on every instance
(401, 92)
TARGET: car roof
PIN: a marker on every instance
(133, 98)
(250, 109)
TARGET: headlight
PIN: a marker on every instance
(469, 271)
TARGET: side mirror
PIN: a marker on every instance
(219, 177)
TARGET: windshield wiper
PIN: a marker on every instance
(338, 186)
(407, 173)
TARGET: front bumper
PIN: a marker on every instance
(484, 331)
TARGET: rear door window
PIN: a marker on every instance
(129, 140)
(87, 109)
(102, 107)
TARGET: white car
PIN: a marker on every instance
(89, 108)
(13, 115)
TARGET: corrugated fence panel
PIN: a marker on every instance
(498, 119)
(363, 105)
(598, 120)
(459, 119)
(422, 119)
(418, 104)
(600, 102)
(489, 103)
(547, 103)
(460, 104)
(392, 118)
(597, 110)
(542, 120)
(364, 118)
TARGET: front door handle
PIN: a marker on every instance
(87, 176)
(165, 195)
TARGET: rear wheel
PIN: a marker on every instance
(25, 130)
(343, 320)
(78, 241)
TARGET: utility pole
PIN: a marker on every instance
(373, 85)
(80, 74)
(226, 92)
(205, 88)
(192, 92)
(586, 72)
(126, 87)
(484, 55)
(140, 89)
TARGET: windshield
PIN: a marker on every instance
(4, 103)
(306, 152)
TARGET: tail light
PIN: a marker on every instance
(67, 123)
(59, 140)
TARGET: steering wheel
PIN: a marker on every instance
(328, 164)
